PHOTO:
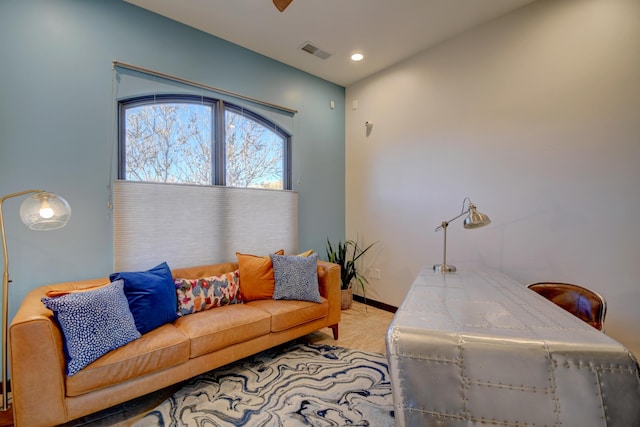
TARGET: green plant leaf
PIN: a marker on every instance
(346, 256)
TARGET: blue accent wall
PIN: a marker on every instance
(56, 133)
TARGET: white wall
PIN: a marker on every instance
(536, 118)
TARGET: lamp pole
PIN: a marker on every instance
(444, 268)
(5, 298)
(51, 212)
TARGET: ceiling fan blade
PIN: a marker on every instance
(281, 5)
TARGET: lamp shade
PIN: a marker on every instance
(45, 211)
(476, 219)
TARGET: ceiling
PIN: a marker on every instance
(385, 31)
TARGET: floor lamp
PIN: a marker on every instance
(40, 211)
(475, 219)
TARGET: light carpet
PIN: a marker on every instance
(291, 385)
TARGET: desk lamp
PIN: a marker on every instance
(40, 211)
(475, 219)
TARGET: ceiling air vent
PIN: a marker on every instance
(314, 50)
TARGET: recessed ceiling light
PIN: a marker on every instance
(357, 57)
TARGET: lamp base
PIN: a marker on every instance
(444, 268)
(6, 417)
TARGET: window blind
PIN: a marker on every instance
(189, 225)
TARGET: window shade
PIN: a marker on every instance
(187, 225)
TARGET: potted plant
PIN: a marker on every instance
(346, 255)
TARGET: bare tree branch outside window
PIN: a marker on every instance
(254, 153)
(169, 143)
(172, 142)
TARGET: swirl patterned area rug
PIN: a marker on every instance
(291, 385)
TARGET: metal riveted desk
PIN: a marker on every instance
(476, 348)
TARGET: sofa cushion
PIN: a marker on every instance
(93, 323)
(256, 276)
(296, 277)
(151, 295)
(161, 348)
(289, 314)
(201, 294)
(215, 329)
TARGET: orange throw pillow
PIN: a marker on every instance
(256, 276)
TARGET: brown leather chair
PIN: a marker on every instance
(583, 303)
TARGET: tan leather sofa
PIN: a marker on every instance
(44, 396)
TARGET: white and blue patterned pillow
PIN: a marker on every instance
(93, 323)
(296, 277)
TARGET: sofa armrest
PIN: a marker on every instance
(37, 360)
(329, 282)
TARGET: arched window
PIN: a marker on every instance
(203, 141)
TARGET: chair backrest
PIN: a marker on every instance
(583, 303)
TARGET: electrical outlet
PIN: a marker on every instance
(376, 273)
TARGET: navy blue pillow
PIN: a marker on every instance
(151, 295)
